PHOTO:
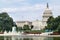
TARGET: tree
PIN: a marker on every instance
(57, 23)
(26, 27)
(19, 29)
(50, 20)
(53, 24)
(6, 22)
(58, 28)
(50, 23)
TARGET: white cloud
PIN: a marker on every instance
(56, 10)
(12, 0)
(29, 11)
(7, 9)
(33, 8)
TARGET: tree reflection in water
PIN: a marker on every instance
(28, 38)
(56, 38)
(1, 38)
(15, 38)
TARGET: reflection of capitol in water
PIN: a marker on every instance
(27, 38)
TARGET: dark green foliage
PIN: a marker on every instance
(50, 23)
(26, 27)
(27, 39)
(1, 37)
(53, 23)
(19, 29)
(6, 22)
(58, 28)
(56, 38)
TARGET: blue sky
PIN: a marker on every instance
(28, 9)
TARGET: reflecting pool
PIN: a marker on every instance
(27, 38)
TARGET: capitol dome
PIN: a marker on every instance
(47, 12)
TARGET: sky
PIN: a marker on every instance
(28, 10)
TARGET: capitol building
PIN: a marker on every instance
(38, 25)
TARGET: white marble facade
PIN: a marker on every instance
(38, 24)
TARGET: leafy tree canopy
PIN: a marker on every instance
(53, 23)
(6, 22)
(26, 27)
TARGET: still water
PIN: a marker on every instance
(28, 38)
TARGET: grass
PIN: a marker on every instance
(35, 31)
